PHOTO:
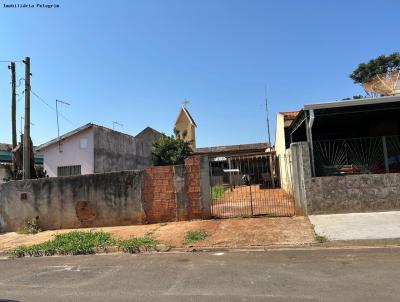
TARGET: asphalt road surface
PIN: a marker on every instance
(293, 275)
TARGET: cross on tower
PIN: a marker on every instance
(185, 102)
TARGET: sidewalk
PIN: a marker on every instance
(224, 233)
(358, 226)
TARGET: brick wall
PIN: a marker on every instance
(159, 194)
(172, 193)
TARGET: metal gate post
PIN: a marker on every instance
(385, 154)
(251, 201)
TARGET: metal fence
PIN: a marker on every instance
(248, 185)
(369, 155)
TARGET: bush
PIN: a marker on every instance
(137, 244)
(192, 236)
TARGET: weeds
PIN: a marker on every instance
(321, 239)
(193, 236)
(31, 226)
(137, 244)
(73, 243)
(82, 243)
(244, 216)
(217, 192)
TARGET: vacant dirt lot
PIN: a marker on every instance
(238, 232)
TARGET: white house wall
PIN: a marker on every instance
(72, 154)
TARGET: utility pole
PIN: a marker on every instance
(270, 158)
(13, 117)
(27, 129)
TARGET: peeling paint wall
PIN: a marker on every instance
(71, 202)
(106, 199)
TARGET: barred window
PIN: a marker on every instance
(69, 170)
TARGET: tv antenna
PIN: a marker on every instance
(266, 110)
(116, 123)
(58, 124)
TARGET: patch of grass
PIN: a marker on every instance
(244, 216)
(321, 239)
(31, 226)
(193, 236)
(217, 192)
(72, 243)
(137, 244)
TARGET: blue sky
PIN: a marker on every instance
(135, 61)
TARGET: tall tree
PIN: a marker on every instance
(379, 75)
(171, 150)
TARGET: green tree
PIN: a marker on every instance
(171, 150)
(366, 72)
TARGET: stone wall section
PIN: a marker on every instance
(344, 193)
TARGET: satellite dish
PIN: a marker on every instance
(384, 84)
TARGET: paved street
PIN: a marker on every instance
(292, 275)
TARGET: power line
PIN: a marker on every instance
(52, 108)
(10, 61)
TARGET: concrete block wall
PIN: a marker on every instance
(70, 202)
(156, 194)
(341, 194)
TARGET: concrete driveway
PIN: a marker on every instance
(358, 226)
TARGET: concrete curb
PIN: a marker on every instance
(330, 245)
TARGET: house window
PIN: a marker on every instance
(69, 170)
(83, 143)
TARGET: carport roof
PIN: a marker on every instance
(348, 103)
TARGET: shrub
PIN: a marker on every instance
(31, 226)
(192, 236)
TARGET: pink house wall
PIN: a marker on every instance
(72, 154)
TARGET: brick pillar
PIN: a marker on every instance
(159, 194)
(193, 190)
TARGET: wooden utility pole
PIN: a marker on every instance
(13, 118)
(27, 140)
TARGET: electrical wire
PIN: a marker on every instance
(11, 61)
(52, 108)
